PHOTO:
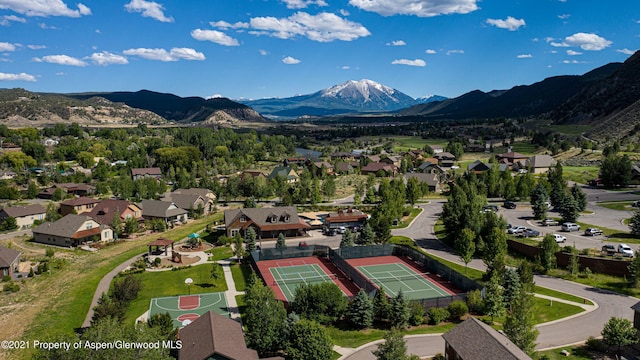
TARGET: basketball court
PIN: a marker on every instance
(185, 309)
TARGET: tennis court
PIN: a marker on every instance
(288, 276)
(186, 308)
(393, 277)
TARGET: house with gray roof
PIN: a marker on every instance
(192, 199)
(474, 340)
(432, 180)
(24, 215)
(141, 173)
(287, 173)
(168, 211)
(71, 231)
(268, 223)
(9, 260)
(540, 164)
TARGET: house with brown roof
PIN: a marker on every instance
(24, 215)
(107, 209)
(377, 168)
(318, 166)
(9, 260)
(141, 173)
(511, 157)
(445, 159)
(474, 340)
(80, 205)
(349, 218)
(168, 211)
(72, 230)
(68, 188)
(213, 336)
(268, 223)
(252, 173)
(343, 167)
(301, 161)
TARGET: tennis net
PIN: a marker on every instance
(306, 280)
(396, 278)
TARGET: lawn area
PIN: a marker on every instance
(580, 174)
(525, 148)
(405, 143)
(617, 205)
(355, 338)
(576, 353)
(602, 281)
(612, 234)
(220, 253)
(171, 283)
(560, 295)
(545, 311)
(571, 129)
(408, 219)
(241, 273)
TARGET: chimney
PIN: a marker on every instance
(340, 212)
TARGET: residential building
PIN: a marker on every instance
(540, 164)
(377, 167)
(78, 205)
(252, 173)
(141, 173)
(318, 166)
(300, 161)
(68, 188)
(478, 167)
(208, 196)
(474, 340)
(7, 175)
(107, 209)
(71, 231)
(168, 211)
(436, 149)
(343, 168)
(213, 336)
(349, 218)
(287, 173)
(445, 159)
(24, 215)
(267, 222)
(431, 179)
(190, 202)
(511, 157)
(9, 260)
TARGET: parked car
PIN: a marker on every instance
(636, 203)
(550, 222)
(592, 232)
(609, 249)
(625, 250)
(509, 205)
(569, 226)
(559, 238)
(492, 208)
(342, 230)
(529, 233)
(516, 229)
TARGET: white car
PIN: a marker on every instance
(625, 250)
(559, 238)
(516, 229)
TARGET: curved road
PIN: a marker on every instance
(554, 334)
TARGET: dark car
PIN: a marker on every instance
(509, 205)
(529, 233)
(609, 249)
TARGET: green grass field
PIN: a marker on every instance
(580, 174)
(571, 129)
(241, 274)
(617, 205)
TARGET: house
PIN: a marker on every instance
(343, 168)
(190, 202)
(7, 175)
(478, 167)
(475, 147)
(165, 210)
(24, 215)
(540, 164)
(445, 159)
(431, 179)
(392, 160)
(343, 155)
(287, 173)
(375, 168)
(511, 157)
(50, 142)
(207, 194)
(349, 219)
(141, 173)
(294, 161)
(107, 209)
(78, 205)
(68, 188)
(9, 260)
(71, 231)
(267, 222)
(436, 149)
(252, 173)
(213, 336)
(119, 163)
(474, 340)
(317, 167)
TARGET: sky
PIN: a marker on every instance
(279, 48)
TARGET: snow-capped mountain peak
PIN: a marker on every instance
(364, 88)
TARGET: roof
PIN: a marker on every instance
(344, 167)
(20, 211)
(345, 216)
(283, 171)
(68, 226)
(7, 256)
(286, 217)
(160, 209)
(185, 201)
(103, 211)
(473, 339)
(444, 156)
(512, 155)
(541, 161)
(194, 191)
(83, 200)
(377, 166)
(430, 179)
(214, 334)
(161, 242)
(154, 171)
(320, 164)
(478, 166)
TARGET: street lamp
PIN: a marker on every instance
(189, 281)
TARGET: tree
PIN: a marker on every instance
(131, 225)
(619, 332)
(347, 239)
(367, 236)
(116, 225)
(493, 300)
(634, 222)
(323, 302)
(250, 237)
(520, 322)
(281, 242)
(400, 312)
(568, 207)
(308, 340)
(393, 348)
(634, 270)
(381, 307)
(264, 319)
(465, 246)
(539, 200)
(414, 191)
(511, 286)
(238, 246)
(32, 190)
(250, 203)
(579, 196)
(9, 223)
(557, 182)
(164, 323)
(360, 310)
(574, 266)
(495, 250)
(215, 270)
(52, 213)
(549, 247)
(328, 187)
(616, 171)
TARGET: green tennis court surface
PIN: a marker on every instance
(288, 278)
(397, 276)
(186, 308)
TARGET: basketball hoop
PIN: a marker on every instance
(188, 281)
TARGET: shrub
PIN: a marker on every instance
(11, 287)
(437, 315)
(6, 278)
(595, 344)
(438, 356)
(49, 252)
(475, 303)
(157, 262)
(586, 273)
(31, 274)
(417, 313)
(457, 309)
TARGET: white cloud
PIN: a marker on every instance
(573, 62)
(16, 77)
(564, 16)
(421, 8)
(46, 27)
(510, 23)
(61, 60)
(290, 60)
(225, 25)
(174, 54)
(589, 42)
(300, 4)
(430, 51)
(416, 62)
(626, 51)
(324, 27)
(5, 46)
(44, 8)
(7, 19)
(106, 58)
(573, 53)
(148, 9)
(450, 52)
(525, 56)
(397, 43)
(346, 67)
(36, 47)
(263, 52)
(214, 36)
(344, 12)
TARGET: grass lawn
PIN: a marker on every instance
(171, 283)
(612, 234)
(408, 219)
(617, 205)
(524, 148)
(607, 282)
(355, 338)
(580, 174)
(405, 143)
(545, 311)
(576, 353)
(220, 253)
(571, 129)
(560, 295)
(241, 273)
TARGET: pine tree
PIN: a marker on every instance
(495, 250)
(634, 270)
(381, 307)
(539, 200)
(493, 301)
(520, 322)
(512, 286)
(400, 312)
(360, 310)
(367, 235)
(281, 243)
(250, 239)
(347, 239)
(634, 222)
(579, 196)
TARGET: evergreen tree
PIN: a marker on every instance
(634, 222)
(634, 270)
(367, 235)
(539, 200)
(520, 322)
(414, 191)
(265, 319)
(164, 323)
(525, 273)
(579, 196)
(465, 246)
(558, 183)
(347, 239)
(549, 247)
(328, 187)
(250, 239)
(493, 300)
(569, 209)
(512, 286)
(495, 250)
(574, 266)
(360, 310)
(281, 242)
(400, 311)
(381, 306)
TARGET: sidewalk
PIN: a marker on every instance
(231, 293)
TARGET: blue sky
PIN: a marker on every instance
(280, 48)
